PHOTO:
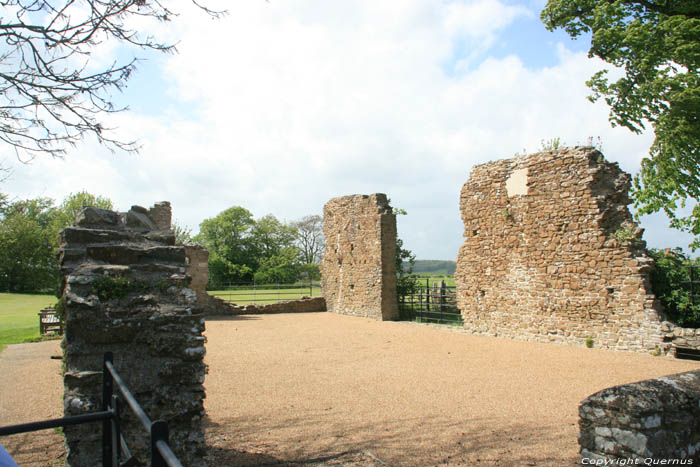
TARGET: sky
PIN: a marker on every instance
(284, 104)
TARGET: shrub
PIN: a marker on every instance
(670, 281)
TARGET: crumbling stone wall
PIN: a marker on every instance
(197, 267)
(358, 270)
(551, 253)
(654, 419)
(125, 290)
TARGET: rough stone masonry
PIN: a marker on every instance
(359, 266)
(551, 253)
(125, 290)
(635, 423)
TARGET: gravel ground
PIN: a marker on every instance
(323, 389)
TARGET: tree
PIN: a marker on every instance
(27, 252)
(657, 43)
(71, 206)
(29, 239)
(282, 268)
(270, 236)
(231, 249)
(310, 238)
(51, 96)
(405, 260)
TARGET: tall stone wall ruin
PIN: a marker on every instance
(551, 253)
(359, 266)
(125, 290)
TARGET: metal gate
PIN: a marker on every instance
(430, 304)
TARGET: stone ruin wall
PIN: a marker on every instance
(197, 267)
(653, 419)
(125, 290)
(551, 254)
(358, 270)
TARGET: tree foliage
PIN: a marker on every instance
(310, 238)
(670, 281)
(27, 253)
(29, 239)
(657, 43)
(71, 206)
(242, 249)
(51, 93)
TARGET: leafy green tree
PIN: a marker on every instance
(670, 281)
(657, 43)
(282, 268)
(71, 206)
(270, 236)
(405, 260)
(232, 252)
(27, 256)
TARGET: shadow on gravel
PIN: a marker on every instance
(321, 440)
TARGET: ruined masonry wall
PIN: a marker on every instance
(359, 266)
(125, 290)
(551, 254)
(653, 419)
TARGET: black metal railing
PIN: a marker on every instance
(694, 282)
(114, 447)
(436, 304)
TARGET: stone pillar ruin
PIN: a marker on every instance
(551, 253)
(125, 290)
(358, 270)
(197, 267)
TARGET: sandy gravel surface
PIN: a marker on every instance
(296, 387)
(322, 389)
(31, 389)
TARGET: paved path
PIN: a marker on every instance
(31, 389)
(335, 390)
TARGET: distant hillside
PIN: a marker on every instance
(434, 266)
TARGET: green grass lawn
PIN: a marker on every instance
(265, 296)
(433, 277)
(19, 321)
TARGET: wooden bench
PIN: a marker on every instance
(49, 322)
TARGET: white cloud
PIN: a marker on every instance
(282, 105)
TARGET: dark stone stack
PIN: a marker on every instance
(653, 419)
(125, 290)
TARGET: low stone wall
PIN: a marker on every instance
(219, 307)
(654, 419)
(680, 338)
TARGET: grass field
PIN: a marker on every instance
(434, 277)
(265, 296)
(18, 317)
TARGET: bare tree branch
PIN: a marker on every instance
(49, 100)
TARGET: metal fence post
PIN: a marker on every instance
(692, 285)
(116, 431)
(107, 389)
(442, 296)
(159, 432)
